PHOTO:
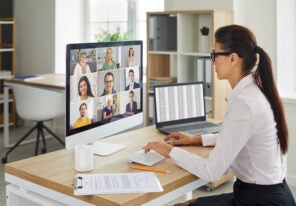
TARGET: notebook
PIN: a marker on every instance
(180, 107)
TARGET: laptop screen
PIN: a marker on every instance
(182, 102)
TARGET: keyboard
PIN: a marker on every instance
(192, 127)
(148, 159)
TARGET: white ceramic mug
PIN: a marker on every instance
(84, 158)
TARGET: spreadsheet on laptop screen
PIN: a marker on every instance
(179, 102)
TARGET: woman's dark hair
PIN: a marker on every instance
(130, 50)
(89, 93)
(83, 104)
(240, 40)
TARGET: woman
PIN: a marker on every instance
(81, 66)
(84, 89)
(131, 59)
(109, 62)
(108, 112)
(254, 133)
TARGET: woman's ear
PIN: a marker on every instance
(234, 58)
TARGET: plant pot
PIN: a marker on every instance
(205, 44)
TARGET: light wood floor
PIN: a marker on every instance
(25, 151)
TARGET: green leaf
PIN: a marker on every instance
(106, 36)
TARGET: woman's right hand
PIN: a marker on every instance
(181, 138)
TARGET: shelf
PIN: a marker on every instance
(7, 64)
(2, 99)
(163, 52)
(6, 50)
(189, 46)
(6, 22)
(197, 54)
(11, 118)
(4, 74)
(2, 125)
(208, 98)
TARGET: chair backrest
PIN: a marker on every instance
(38, 104)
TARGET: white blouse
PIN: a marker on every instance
(247, 142)
(78, 69)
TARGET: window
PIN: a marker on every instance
(128, 15)
(106, 15)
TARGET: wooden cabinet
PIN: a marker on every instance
(7, 63)
(178, 57)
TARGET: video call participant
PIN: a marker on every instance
(84, 89)
(108, 111)
(132, 105)
(131, 58)
(254, 133)
(81, 66)
(109, 62)
(108, 84)
(83, 119)
(132, 83)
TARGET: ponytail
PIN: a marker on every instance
(266, 82)
(242, 41)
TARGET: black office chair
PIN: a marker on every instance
(39, 105)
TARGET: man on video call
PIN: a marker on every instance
(132, 84)
(131, 107)
(108, 84)
(83, 119)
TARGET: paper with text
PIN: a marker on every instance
(111, 183)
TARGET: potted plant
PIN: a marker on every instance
(106, 36)
(205, 39)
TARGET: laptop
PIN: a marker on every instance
(180, 107)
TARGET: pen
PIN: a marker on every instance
(149, 169)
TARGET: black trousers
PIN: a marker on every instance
(245, 194)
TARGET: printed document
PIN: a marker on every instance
(111, 183)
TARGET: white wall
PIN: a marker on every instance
(43, 28)
(286, 26)
(260, 17)
(290, 111)
(69, 27)
(35, 36)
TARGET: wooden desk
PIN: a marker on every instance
(52, 174)
(50, 81)
(55, 81)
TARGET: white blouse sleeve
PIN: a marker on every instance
(236, 131)
(209, 139)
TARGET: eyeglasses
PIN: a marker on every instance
(215, 54)
(108, 82)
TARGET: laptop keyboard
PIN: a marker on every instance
(204, 125)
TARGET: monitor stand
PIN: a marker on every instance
(106, 148)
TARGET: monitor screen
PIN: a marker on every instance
(104, 90)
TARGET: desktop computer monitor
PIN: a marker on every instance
(104, 90)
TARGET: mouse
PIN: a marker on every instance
(170, 141)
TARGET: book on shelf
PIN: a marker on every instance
(27, 78)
